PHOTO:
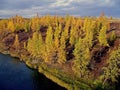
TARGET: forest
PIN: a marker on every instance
(78, 53)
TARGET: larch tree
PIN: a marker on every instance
(88, 28)
(73, 35)
(11, 26)
(31, 43)
(27, 26)
(35, 24)
(75, 31)
(41, 47)
(16, 42)
(61, 50)
(36, 45)
(57, 36)
(66, 29)
(49, 45)
(112, 69)
(112, 36)
(102, 36)
(82, 58)
(18, 22)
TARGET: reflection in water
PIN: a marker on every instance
(15, 75)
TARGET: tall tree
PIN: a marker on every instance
(102, 36)
(49, 45)
(57, 35)
(112, 69)
(35, 23)
(82, 58)
(11, 26)
(88, 29)
(16, 42)
(61, 50)
(27, 26)
(36, 45)
(73, 33)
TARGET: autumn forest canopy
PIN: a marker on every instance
(84, 48)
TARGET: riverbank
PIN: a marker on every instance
(58, 76)
(55, 74)
(15, 75)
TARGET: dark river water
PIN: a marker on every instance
(15, 75)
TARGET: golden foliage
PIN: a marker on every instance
(11, 26)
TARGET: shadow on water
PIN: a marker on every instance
(118, 84)
(43, 83)
(15, 75)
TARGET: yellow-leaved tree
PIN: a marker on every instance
(82, 59)
(49, 44)
(16, 42)
(102, 36)
(11, 26)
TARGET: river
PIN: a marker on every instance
(15, 75)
